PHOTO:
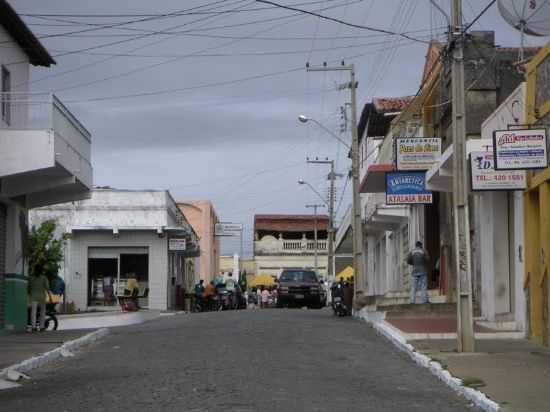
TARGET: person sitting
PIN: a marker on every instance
(132, 289)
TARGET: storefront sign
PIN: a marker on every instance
(485, 177)
(417, 153)
(520, 149)
(177, 244)
(407, 188)
(228, 229)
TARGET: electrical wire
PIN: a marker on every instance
(358, 26)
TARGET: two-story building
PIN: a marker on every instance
(45, 157)
(288, 242)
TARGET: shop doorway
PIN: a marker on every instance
(133, 265)
(102, 276)
(431, 241)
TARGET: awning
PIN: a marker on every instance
(375, 178)
(387, 218)
(440, 177)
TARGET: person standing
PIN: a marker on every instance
(418, 258)
(265, 298)
(39, 287)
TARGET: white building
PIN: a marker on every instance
(287, 242)
(119, 234)
(45, 156)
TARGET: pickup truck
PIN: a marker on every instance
(299, 287)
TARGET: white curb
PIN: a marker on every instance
(60, 352)
(393, 335)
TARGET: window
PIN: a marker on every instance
(6, 89)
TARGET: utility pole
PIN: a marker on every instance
(332, 177)
(463, 269)
(357, 226)
(315, 206)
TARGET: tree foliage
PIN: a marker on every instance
(44, 252)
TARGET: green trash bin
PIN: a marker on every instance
(15, 302)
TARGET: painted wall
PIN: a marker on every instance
(202, 217)
(273, 265)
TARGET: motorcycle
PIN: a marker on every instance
(338, 306)
(51, 322)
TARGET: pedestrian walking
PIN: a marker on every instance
(418, 258)
(265, 298)
(39, 288)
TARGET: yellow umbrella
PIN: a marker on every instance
(345, 274)
(263, 279)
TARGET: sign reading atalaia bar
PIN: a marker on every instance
(520, 149)
(485, 177)
(417, 153)
(404, 188)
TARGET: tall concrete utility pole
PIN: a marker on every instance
(315, 206)
(356, 223)
(463, 269)
(332, 177)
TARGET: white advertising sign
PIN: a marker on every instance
(177, 244)
(228, 229)
(485, 177)
(417, 153)
(520, 149)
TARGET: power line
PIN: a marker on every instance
(358, 26)
(479, 15)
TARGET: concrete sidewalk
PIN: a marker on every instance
(95, 320)
(514, 373)
(18, 347)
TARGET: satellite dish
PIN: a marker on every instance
(530, 17)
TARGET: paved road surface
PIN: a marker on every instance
(264, 360)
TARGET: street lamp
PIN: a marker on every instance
(304, 119)
(303, 182)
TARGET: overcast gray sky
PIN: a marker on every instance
(209, 109)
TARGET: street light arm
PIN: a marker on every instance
(330, 132)
(303, 182)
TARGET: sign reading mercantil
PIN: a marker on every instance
(485, 177)
(403, 188)
(177, 244)
(520, 149)
(417, 153)
(228, 229)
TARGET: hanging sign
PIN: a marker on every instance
(520, 149)
(404, 188)
(485, 177)
(417, 153)
(228, 229)
(177, 244)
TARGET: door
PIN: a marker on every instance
(102, 276)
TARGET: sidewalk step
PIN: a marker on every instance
(424, 309)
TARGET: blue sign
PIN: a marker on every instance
(405, 188)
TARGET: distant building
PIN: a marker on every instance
(121, 234)
(203, 218)
(287, 242)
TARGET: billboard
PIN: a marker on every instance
(228, 229)
(520, 149)
(404, 188)
(485, 177)
(417, 153)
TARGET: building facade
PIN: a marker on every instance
(287, 242)
(45, 157)
(203, 218)
(119, 234)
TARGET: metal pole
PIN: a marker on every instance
(357, 225)
(463, 270)
(356, 222)
(315, 206)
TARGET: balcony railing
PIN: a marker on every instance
(26, 118)
(285, 246)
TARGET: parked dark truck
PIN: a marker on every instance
(299, 287)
